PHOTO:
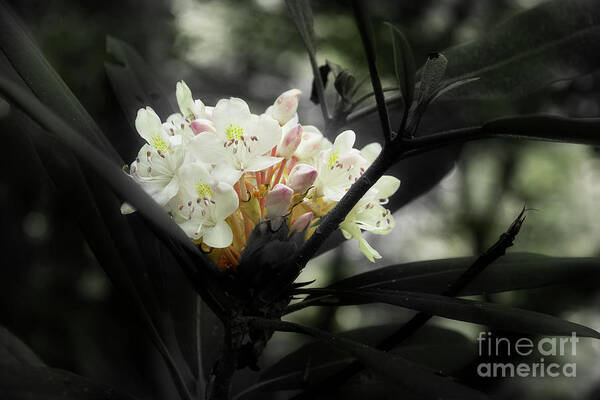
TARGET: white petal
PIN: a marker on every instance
(226, 200)
(192, 228)
(334, 193)
(230, 111)
(127, 208)
(261, 162)
(148, 124)
(268, 132)
(344, 142)
(190, 175)
(208, 147)
(184, 98)
(224, 172)
(386, 186)
(168, 192)
(218, 236)
(370, 152)
(367, 250)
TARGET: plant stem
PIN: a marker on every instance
(366, 35)
(332, 219)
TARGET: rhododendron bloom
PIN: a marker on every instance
(202, 206)
(158, 160)
(339, 167)
(220, 171)
(240, 141)
(369, 215)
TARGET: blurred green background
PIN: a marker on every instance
(54, 295)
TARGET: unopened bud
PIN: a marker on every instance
(301, 177)
(301, 223)
(312, 143)
(278, 200)
(290, 141)
(202, 125)
(285, 106)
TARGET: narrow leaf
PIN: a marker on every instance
(44, 82)
(491, 314)
(316, 361)
(556, 40)
(398, 370)
(404, 65)
(301, 14)
(14, 352)
(24, 376)
(513, 271)
(133, 81)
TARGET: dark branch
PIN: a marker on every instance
(332, 220)
(362, 23)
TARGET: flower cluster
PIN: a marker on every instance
(219, 170)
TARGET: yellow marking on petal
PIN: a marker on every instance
(159, 144)
(333, 157)
(234, 132)
(203, 190)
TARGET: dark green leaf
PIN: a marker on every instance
(211, 335)
(546, 127)
(557, 40)
(316, 361)
(491, 314)
(24, 376)
(513, 271)
(133, 81)
(404, 65)
(398, 370)
(97, 161)
(43, 81)
(301, 13)
(14, 352)
(26, 382)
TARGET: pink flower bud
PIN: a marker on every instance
(301, 223)
(301, 177)
(278, 200)
(290, 142)
(202, 125)
(285, 106)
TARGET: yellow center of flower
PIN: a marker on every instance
(234, 132)
(203, 190)
(159, 144)
(333, 158)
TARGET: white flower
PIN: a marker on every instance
(339, 167)
(177, 125)
(369, 215)
(190, 108)
(311, 144)
(240, 141)
(158, 160)
(202, 206)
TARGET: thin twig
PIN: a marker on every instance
(497, 250)
(362, 23)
